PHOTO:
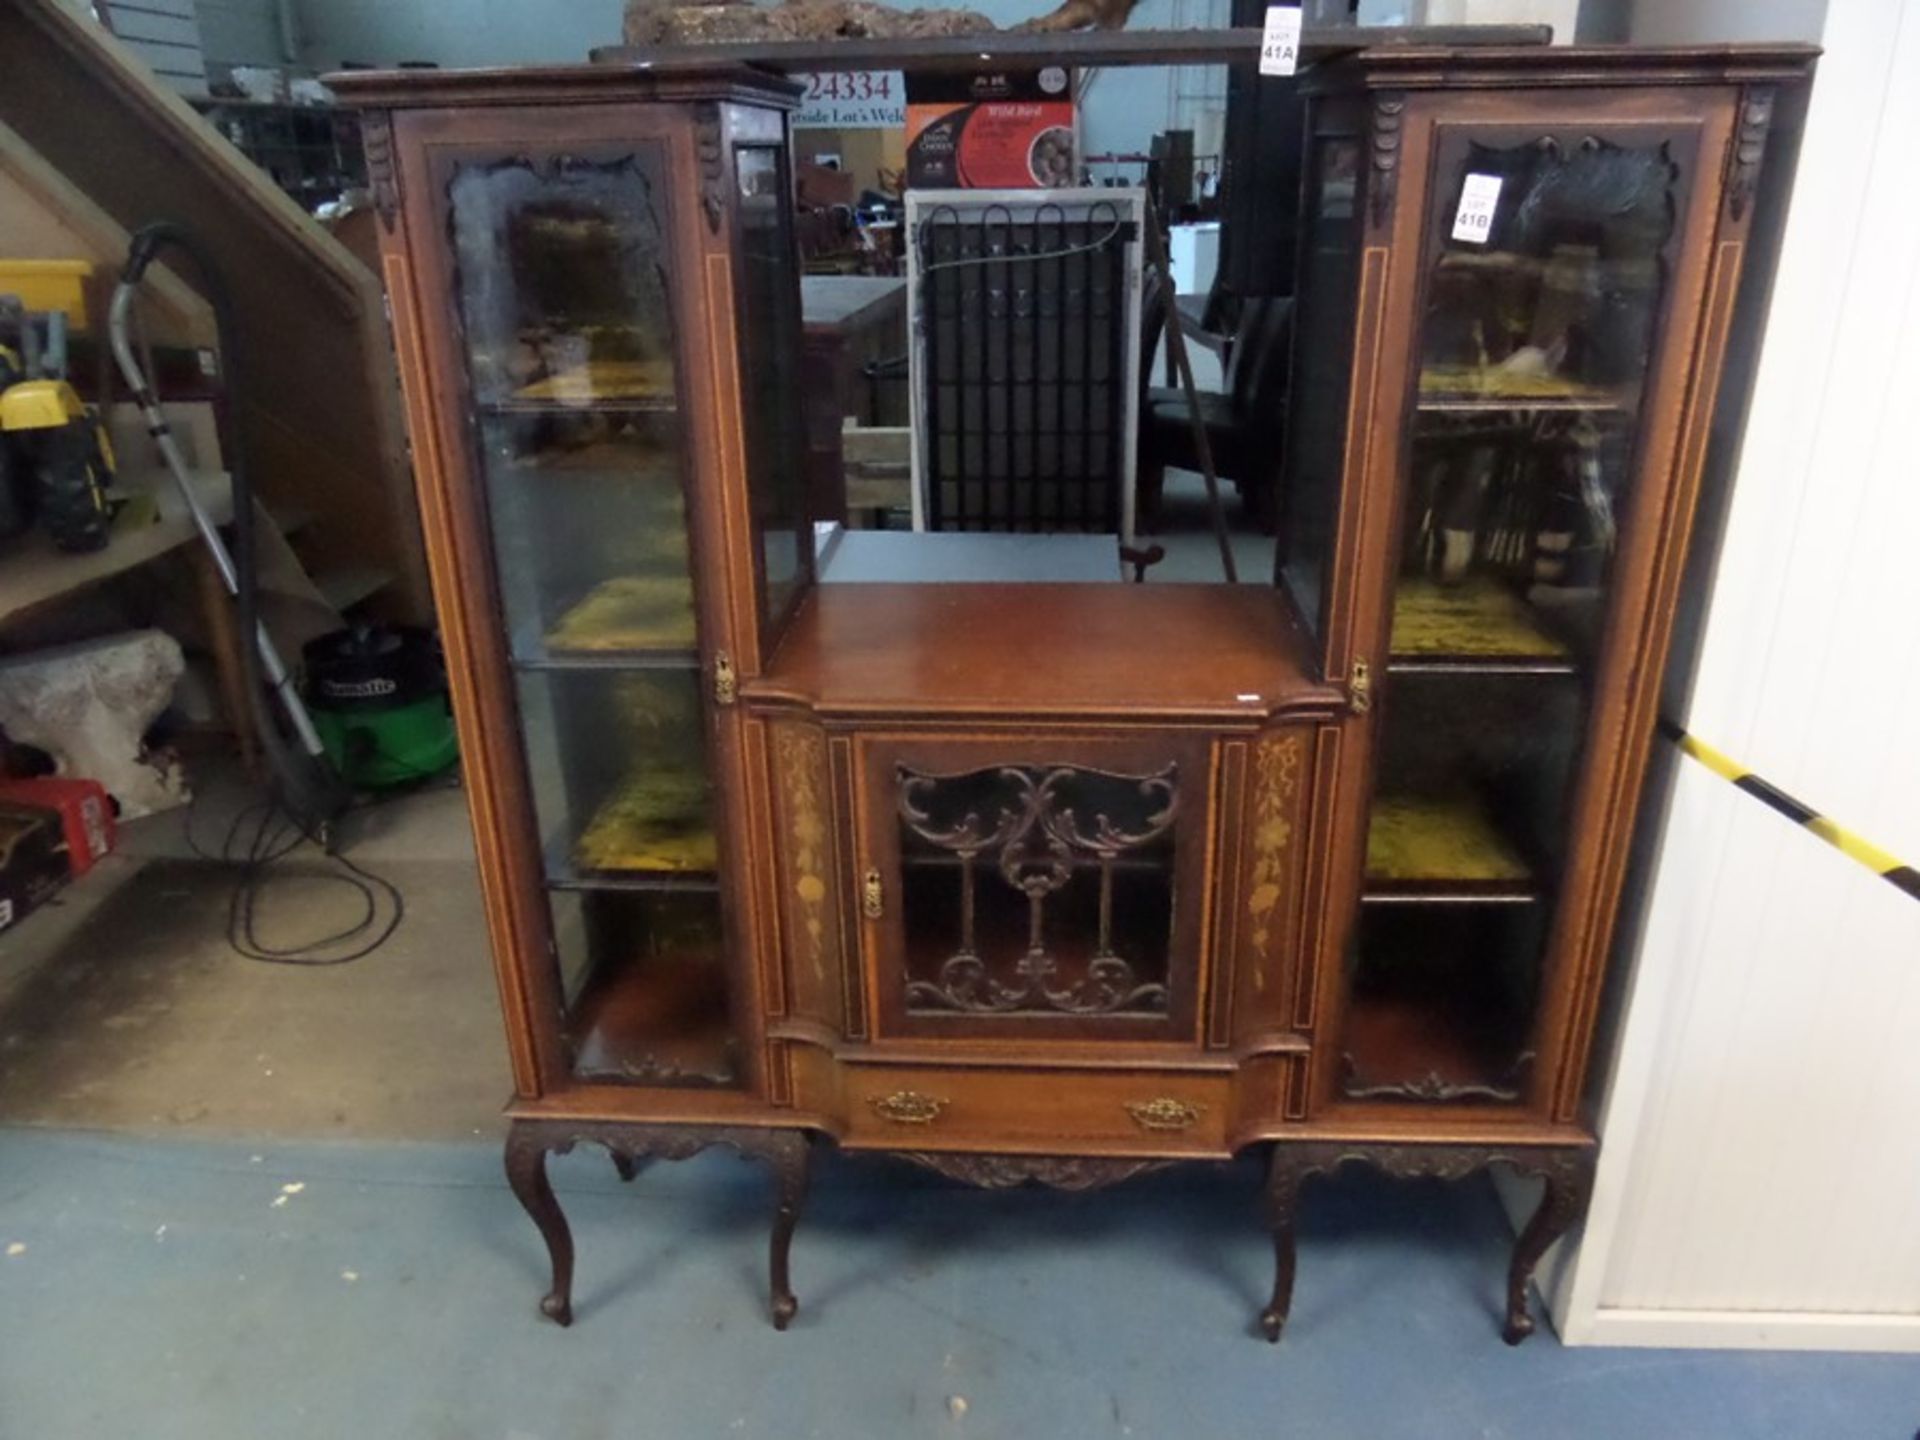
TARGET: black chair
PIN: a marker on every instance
(1245, 423)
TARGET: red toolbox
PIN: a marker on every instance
(86, 813)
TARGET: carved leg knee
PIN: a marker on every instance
(1569, 1189)
(527, 1174)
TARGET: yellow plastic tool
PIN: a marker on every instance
(49, 286)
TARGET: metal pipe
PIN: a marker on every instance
(278, 679)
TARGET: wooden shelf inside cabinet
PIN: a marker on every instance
(662, 1023)
(531, 652)
(643, 405)
(637, 619)
(1461, 389)
(563, 874)
(654, 826)
(1423, 848)
(603, 386)
(1405, 1047)
(628, 457)
(1480, 625)
(1522, 406)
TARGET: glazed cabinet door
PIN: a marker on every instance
(772, 387)
(1329, 261)
(1039, 889)
(1542, 285)
(561, 259)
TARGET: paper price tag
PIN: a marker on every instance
(1473, 221)
(1280, 40)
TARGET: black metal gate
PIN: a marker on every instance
(1021, 317)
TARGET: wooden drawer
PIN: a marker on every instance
(1050, 1110)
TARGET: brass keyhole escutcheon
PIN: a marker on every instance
(907, 1107)
(872, 900)
(1164, 1113)
(1360, 688)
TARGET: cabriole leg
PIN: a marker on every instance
(1280, 1201)
(1569, 1189)
(792, 1162)
(527, 1174)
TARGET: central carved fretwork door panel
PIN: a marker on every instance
(1036, 889)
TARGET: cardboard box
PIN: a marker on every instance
(33, 860)
(996, 130)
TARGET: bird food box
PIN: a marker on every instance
(991, 130)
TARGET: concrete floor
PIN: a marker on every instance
(209, 1227)
(123, 1008)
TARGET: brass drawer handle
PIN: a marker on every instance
(1164, 1113)
(907, 1107)
(872, 900)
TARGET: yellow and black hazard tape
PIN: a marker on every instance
(1887, 867)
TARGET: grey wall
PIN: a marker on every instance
(1696, 22)
(454, 32)
(241, 32)
(1603, 22)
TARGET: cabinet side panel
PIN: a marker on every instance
(486, 754)
(845, 847)
(807, 873)
(1620, 792)
(1317, 880)
(1226, 890)
(1266, 885)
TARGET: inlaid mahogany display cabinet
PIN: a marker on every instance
(1065, 882)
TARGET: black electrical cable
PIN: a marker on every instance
(275, 836)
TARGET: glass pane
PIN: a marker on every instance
(769, 344)
(618, 764)
(1534, 350)
(1435, 1014)
(562, 280)
(646, 986)
(1323, 359)
(590, 533)
(562, 283)
(1037, 891)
